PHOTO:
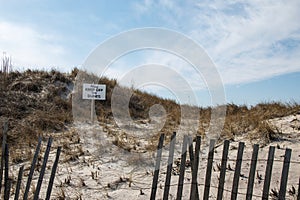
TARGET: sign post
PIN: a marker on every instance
(92, 110)
(93, 92)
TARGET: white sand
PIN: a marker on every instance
(106, 172)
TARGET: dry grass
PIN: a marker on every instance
(39, 102)
(34, 103)
(253, 121)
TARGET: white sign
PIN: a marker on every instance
(93, 91)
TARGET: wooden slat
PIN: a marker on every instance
(157, 166)
(182, 167)
(18, 187)
(298, 195)
(169, 167)
(191, 151)
(237, 171)
(4, 138)
(268, 173)
(42, 172)
(51, 180)
(29, 179)
(252, 172)
(194, 195)
(6, 175)
(7, 194)
(285, 174)
(223, 170)
(209, 169)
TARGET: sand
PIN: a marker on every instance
(104, 171)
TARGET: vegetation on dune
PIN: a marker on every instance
(36, 102)
(253, 121)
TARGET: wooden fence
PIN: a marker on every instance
(7, 180)
(187, 147)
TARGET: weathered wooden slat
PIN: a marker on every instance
(42, 172)
(6, 175)
(51, 180)
(157, 166)
(4, 138)
(194, 195)
(209, 169)
(223, 170)
(252, 172)
(268, 173)
(237, 172)
(191, 154)
(7, 193)
(169, 167)
(19, 181)
(191, 151)
(182, 167)
(298, 195)
(29, 179)
(285, 174)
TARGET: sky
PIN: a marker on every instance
(254, 44)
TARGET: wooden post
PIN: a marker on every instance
(6, 177)
(285, 173)
(51, 180)
(223, 170)
(169, 167)
(19, 182)
(252, 172)
(157, 166)
(7, 194)
(268, 174)
(4, 138)
(237, 172)
(42, 172)
(194, 195)
(191, 152)
(29, 179)
(209, 169)
(182, 168)
(92, 110)
(298, 195)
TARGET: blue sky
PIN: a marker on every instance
(254, 44)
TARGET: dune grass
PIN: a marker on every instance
(38, 102)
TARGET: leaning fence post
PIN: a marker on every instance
(157, 166)
(298, 195)
(223, 170)
(194, 195)
(268, 174)
(7, 194)
(236, 177)
(19, 182)
(42, 172)
(209, 169)
(285, 173)
(6, 177)
(169, 167)
(4, 138)
(182, 167)
(51, 180)
(252, 172)
(29, 179)
(191, 153)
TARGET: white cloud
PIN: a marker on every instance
(248, 40)
(30, 48)
(143, 6)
